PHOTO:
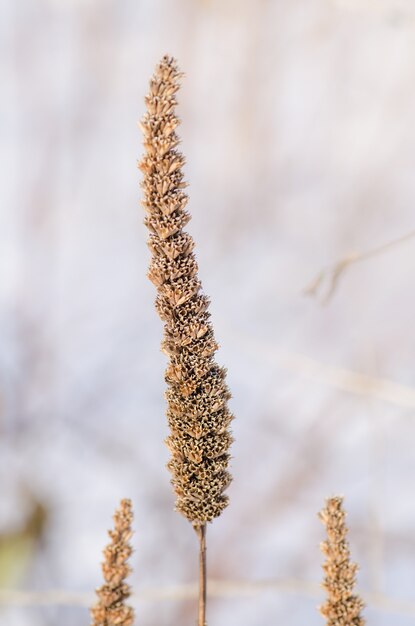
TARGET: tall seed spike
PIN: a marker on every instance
(342, 607)
(111, 608)
(195, 394)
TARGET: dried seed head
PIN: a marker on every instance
(197, 394)
(110, 609)
(342, 607)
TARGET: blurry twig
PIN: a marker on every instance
(218, 588)
(333, 273)
(53, 597)
(339, 378)
(381, 7)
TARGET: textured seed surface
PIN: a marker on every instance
(197, 395)
(342, 607)
(111, 608)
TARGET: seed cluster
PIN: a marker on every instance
(342, 607)
(197, 394)
(111, 609)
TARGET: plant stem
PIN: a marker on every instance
(201, 532)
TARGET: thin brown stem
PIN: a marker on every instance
(201, 533)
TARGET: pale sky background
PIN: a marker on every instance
(298, 129)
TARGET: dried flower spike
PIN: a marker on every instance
(110, 609)
(197, 394)
(342, 607)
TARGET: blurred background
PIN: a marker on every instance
(298, 128)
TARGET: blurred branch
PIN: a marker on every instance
(339, 378)
(217, 588)
(333, 273)
(382, 7)
(13, 597)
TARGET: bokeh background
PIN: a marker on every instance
(298, 128)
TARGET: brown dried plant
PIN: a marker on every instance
(342, 607)
(197, 394)
(110, 609)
